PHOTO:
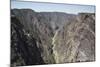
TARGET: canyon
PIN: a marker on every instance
(51, 37)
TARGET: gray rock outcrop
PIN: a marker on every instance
(75, 42)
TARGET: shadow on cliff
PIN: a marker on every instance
(23, 46)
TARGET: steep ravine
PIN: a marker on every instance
(51, 37)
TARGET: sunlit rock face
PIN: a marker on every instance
(51, 37)
(75, 42)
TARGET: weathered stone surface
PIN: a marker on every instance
(76, 40)
(51, 37)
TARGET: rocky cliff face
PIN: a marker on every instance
(51, 37)
(75, 42)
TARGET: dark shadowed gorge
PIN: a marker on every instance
(51, 37)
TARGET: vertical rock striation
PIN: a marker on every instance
(75, 42)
